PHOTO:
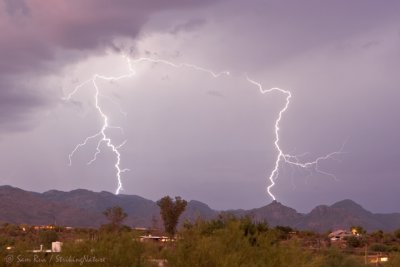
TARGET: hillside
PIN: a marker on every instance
(83, 208)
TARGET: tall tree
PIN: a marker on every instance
(170, 211)
(116, 216)
(46, 237)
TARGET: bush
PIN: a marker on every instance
(353, 241)
(46, 237)
(377, 247)
(335, 258)
(234, 242)
(397, 233)
(117, 249)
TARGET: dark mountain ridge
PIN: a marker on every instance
(83, 208)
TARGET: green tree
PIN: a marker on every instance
(378, 247)
(235, 242)
(377, 236)
(336, 258)
(46, 237)
(116, 216)
(397, 233)
(353, 241)
(358, 229)
(170, 211)
(116, 249)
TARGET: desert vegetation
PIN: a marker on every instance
(224, 241)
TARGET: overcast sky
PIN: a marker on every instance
(188, 133)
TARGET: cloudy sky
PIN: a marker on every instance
(188, 133)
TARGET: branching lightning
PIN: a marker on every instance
(287, 158)
(102, 137)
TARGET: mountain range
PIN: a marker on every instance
(83, 208)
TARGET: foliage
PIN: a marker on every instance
(377, 236)
(46, 237)
(240, 242)
(335, 258)
(394, 260)
(359, 229)
(354, 241)
(224, 241)
(110, 249)
(377, 247)
(170, 212)
(284, 231)
(397, 233)
(116, 216)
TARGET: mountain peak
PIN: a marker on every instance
(53, 191)
(276, 202)
(83, 208)
(276, 205)
(81, 191)
(8, 187)
(106, 193)
(347, 204)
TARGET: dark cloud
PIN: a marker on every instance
(17, 103)
(16, 7)
(189, 25)
(280, 30)
(71, 25)
(339, 59)
(34, 32)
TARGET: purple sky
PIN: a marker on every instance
(187, 133)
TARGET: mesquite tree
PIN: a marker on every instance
(170, 211)
(116, 216)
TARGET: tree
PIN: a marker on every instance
(170, 211)
(358, 230)
(377, 236)
(353, 241)
(46, 237)
(116, 216)
(397, 233)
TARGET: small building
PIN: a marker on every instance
(44, 227)
(141, 229)
(144, 238)
(56, 246)
(339, 235)
(378, 258)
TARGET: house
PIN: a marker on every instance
(378, 258)
(44, 227)
(155, 238)
(339, 235)
(56, 246)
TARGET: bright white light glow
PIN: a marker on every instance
(102, 138)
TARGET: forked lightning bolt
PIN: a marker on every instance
(287, 158)
(102, 136)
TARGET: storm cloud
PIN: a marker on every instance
(39, 38)
(188, 133)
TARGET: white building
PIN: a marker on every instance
(339, 235)
(56, 246)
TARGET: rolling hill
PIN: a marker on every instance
(83, 208)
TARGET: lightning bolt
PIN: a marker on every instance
(287, 158)
(101, 135)
(103, 138)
